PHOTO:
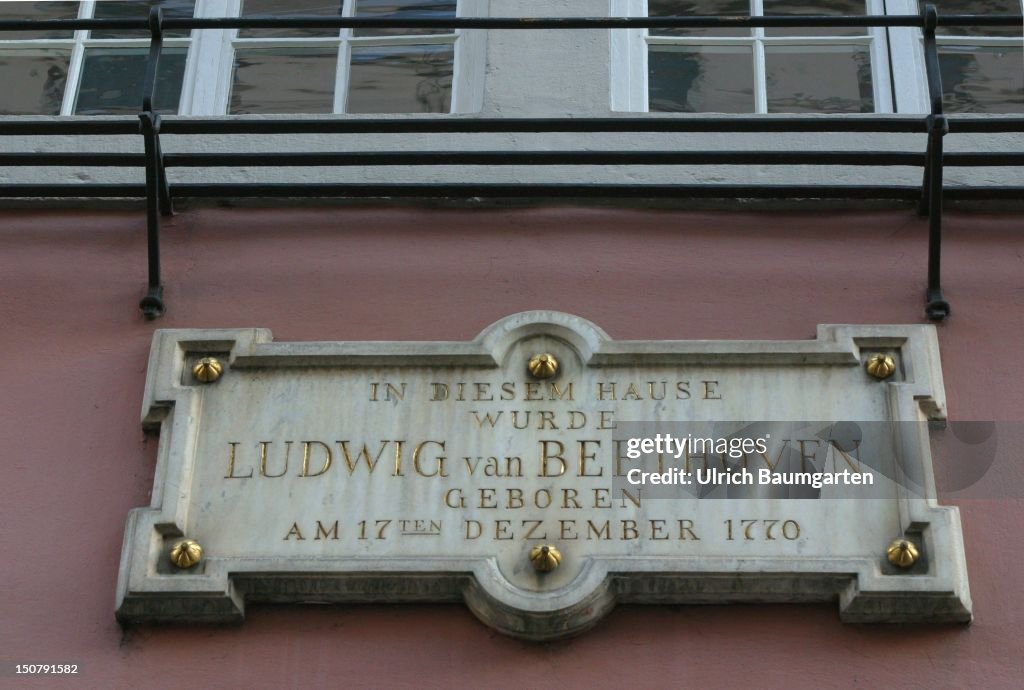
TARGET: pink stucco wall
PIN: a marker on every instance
(74, 460)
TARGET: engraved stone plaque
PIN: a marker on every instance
(348, 472)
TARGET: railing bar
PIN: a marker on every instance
(696, 21)
(344, 159)
(463, 190)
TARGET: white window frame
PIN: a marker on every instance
(77, 45)
(629, 50)
(208, 77)
(206, 83)
(910, 81)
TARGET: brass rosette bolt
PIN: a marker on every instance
(207, 370)
(880, 366)
(186, 553)
(902, 553)
(543, 366)
(545, 558)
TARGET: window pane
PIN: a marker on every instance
(682, 8)
(832, 7)
(284, 80)
(37, 10)
(33, 82)
(977, 7)
(697, 79)
(978, 79)
(121, 9)
(112, 80)
(401, 79)
(819, 79)
(405, 9)
(290, 8)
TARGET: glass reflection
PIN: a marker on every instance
(283, 80)
(699, 79)
(682, 8)
(37, 10)
(819, 79)
(290, 8)
(832, 7)
(977, 7)
(33, 82)
(112, 80)
(405, 9)
(122, 9)
(978, 79)
(401, 79)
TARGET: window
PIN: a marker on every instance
(776, 70)
(216, 72)
(361, 71)
(105, 67)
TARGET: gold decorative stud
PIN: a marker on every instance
(881, 366)
(186, 553)
(543, 366)
(902, 553)
(208, 370)
(545, 558)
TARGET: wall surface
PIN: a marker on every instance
(75, 459)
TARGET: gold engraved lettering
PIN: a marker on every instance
(486, 419)
(534, 525)
(602, 499)
(263, 459)
(711, 390)
(398, 459)
(658, 530)
(632, 393)
(635, 500)
(686, 530)
(453, 498)
(474, 529)
(556, 393)
(364, 455)
(586, 457)
(652, 387)
(567, 531)
(231, 464)
(503, 530)
(804, 457)
(682, 390)
(852, 459)
(603, 533)
(629, 530)
(306, 450)
(487, 498)
(482, 389)
(325, 533)
(547, 454)
(294, 532)
(439, 471)
(604, 389)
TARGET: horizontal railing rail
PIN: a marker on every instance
(159, 192)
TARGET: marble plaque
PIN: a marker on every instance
(648, 472)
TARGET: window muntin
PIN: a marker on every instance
(374, 70)
(786, 70)
(104, 73)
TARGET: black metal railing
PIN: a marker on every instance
(159, 193)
